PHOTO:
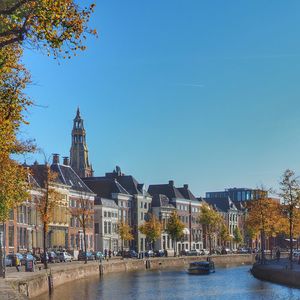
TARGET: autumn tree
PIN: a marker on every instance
(224, 234)
(152, 229)
(48, 202)
(263, 218)
(290, 193)
(58, 27)
(125, 232)
(211, 222)
(174, 228)
(83, 212)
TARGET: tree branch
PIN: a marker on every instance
(9, 11)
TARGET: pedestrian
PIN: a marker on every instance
(109, 254)
(105, 253)
(278, 254)
(18, 263)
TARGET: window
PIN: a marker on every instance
(145, 205)
(141, 204)
(142, 216)
(105, 227)
(10, 236)
(109, 214)
(109, 227)
(105, 214)
(96, 228)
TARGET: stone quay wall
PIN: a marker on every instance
(41, 282)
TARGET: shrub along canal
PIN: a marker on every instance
(227, 283)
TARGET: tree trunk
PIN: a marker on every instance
(209, 240)
(291, 241)
(84, 238)
(122, 247)
(262, 236)
(45, 246)
(175, 247)
(1, 260)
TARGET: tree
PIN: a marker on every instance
(48, 202)
(224, 234)
(263, 218)
(54, 25)
(83, 212)
(125, 233)
(13, 191)
(174, 228)
(57, 26)
(290, 193)
(237, 236)
(211, 221)
(152, 229)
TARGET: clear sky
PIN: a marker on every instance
(201, 92)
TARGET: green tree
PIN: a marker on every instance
(237, 236)
(211, 222)
(224, 234)
(174, 228)
(152, 229)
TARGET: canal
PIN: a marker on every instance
(227, 283)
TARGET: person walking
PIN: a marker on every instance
(18, 263)
(109, 254)
(278, 254)
(105, 254)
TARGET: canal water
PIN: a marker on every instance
(227, 283)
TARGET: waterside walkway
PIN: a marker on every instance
(278, 272)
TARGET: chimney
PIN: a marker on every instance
(66, 161)
(55, 159)
(171, 182)
(186, 186)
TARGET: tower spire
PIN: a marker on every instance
(79, 159)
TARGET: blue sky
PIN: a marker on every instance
(202, 92)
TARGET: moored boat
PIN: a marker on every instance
(201, 268)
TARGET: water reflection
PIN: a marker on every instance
(226, 283)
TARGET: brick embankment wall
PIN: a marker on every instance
(32, 285)
(280, 274)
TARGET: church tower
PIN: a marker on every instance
(79, 159)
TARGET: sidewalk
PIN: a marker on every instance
(278, 272)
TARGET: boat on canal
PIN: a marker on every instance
(201, 268)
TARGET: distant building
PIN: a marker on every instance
(132, 198)
(106, 223)
(79, 158)
(188, 208)
(236, 194)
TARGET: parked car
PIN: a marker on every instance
(149, 253)
(65, 257)
(98, 255)
(130, 254)
(193, 252)
(8, 261)
(159, 253)
(44, 256)
(27, 257)
(53, 257)
(89, 256)
(204, 252)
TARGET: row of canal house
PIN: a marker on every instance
(111, 198)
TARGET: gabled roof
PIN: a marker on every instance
(165, 189)
(160, 200)
(32, 182)
(104, 187)
(106, 202)
(222, 204)
(65, 175)
(186, 193)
